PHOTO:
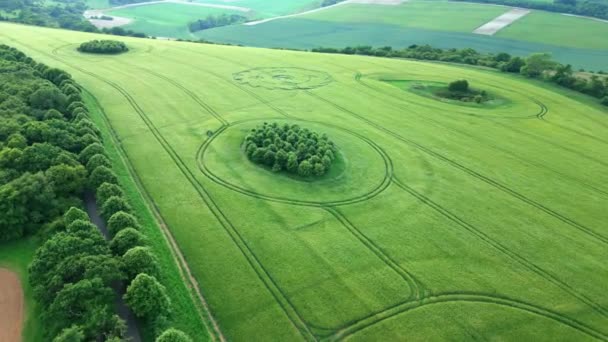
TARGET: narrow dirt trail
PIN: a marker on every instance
(11, 306)
(122, 309)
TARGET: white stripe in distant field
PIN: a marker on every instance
(490, 28)
(369, 2)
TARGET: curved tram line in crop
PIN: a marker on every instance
(421, 296)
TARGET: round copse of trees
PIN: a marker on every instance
(110, 47)
(291, 149)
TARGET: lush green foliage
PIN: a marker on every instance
(290, 148)
(125, 240)
(139, 260)
(216, 21)
(147, 297)
(173, 335)
(111, 47)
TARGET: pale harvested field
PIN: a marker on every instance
(490, 28)
(11, 306)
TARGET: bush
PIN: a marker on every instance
(126, 239)
(147, 298)
(173, 335)
(113, 205)
(290, 148)
(139, 260)
(461, 86)
(103, 47)
(605, 101)
(74, 214)
(120, 221)
(101, 175)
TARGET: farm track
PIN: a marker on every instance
(252, 259)
(468, 297)
(486, 142)
(502, 248)
(471, 172)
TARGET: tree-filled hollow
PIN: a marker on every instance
(290, 148)
(109, 47)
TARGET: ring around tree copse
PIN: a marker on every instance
(108, 47)
(290, 148)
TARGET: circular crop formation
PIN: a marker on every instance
(283, 78)
(360, 169)
(290, 148)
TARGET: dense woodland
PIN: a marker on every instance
(109, 47)
(216, 21)
(538, 65)
(591, 8)
(50, 155)
(290, 148)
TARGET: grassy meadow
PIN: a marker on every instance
(442, 221)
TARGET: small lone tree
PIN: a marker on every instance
(461, 86)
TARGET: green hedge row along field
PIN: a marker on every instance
(443, 220)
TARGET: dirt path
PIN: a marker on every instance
(11, 306)
(119, 287)
(490, 28)
(367, 2)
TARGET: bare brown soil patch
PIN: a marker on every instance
(11, 306)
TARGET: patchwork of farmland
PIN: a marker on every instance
(439, 221)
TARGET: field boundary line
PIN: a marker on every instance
(178, 257)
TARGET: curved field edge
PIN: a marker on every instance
(189, 314)
(16, 256)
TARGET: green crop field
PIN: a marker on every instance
(439, 221)
(270, 8)
(559, 29)
(166, 20)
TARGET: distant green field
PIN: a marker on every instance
(442, 222)
(166, 20)
(306, 34)
(97, 4)
(17, 256)
(434, 15)
(559, 29)
(270, 8)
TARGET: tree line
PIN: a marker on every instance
(50, 154)
(537, 65)
(212, 21)
(591, 8)
(103, 47)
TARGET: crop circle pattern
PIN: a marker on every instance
(283, 78)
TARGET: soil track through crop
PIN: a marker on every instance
(11, 306)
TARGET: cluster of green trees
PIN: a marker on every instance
(216, 21)
(538, 65)
(50, 154)
(103, 47)
(290, 148)
(67, 15)
(591, 8)
(460, 90)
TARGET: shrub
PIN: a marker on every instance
(103, 47)
(139, 260)
(101, 175)
(113, 205)
(461, 86)
(107, 190)
(290, 148)
(125, 240)
(120, 221)
(147, 297)
(173, 335)
(74, 214)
